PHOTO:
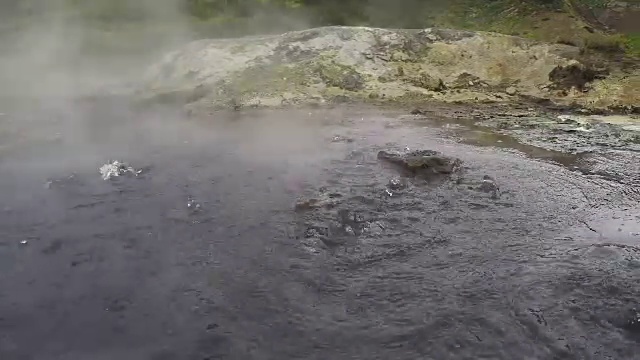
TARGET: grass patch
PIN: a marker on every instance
(520, 18)
(605, 43)
(632, 43)
(594, 4)
(543, 22)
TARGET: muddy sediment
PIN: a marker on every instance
(558, 129)
(517, 253)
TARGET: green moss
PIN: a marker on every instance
(331, 72)
(426, 81)
(552, 21)
(333, 91)
(594, 4)
(334, 74)
(270, 79)
(486, 16)
(304, 78)
(535, 20)
(632, 44)
(400, 56)
(604, 42)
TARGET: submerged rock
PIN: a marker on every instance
(489, 186)
(396, 184)
(422, 162)
(632, 323)
(117, 168)
(323, 200)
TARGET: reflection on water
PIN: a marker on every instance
(127, 268)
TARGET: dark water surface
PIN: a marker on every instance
(126, 269)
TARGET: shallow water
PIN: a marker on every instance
(127, 269)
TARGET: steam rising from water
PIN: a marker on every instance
(64, 48)
(54, 49)
(54, 54)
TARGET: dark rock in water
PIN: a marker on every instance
(333, 241)
(489, 186)
(632, 324)
(116, 168)
(324, 200)
(193, 206)
(339, 138)
(422, 162)
(313, 203)
(396, 184)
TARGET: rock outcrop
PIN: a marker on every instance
(421, 163)
(575, 75)
(329, 64)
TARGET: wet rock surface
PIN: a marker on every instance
(586, 144)
(489, 186)
(378, 266)
(423, 163)
(116, 168)
(569, 133)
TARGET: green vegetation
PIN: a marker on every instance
(633, 44)
(562, 21)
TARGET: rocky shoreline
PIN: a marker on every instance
(332, 65)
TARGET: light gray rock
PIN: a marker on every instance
(329, 64)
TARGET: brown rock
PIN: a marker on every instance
(428, 82)
(422, 163)
(575, 75)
